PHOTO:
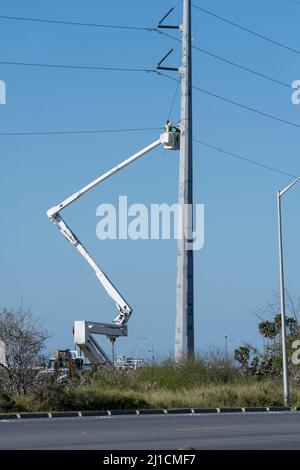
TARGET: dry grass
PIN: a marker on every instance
(93, 397)
(193, 384)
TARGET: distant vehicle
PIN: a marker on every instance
(65, 362)
(124, 362)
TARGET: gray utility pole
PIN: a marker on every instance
(285, 367)
(184, 334)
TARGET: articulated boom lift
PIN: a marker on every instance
(84, 330)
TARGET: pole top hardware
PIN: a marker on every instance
(159, 67)
(163, 26)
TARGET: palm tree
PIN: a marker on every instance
(242, 355)
(268, 330)
(292, 325)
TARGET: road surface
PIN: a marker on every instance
(220, 431)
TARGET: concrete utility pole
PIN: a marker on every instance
(184, 335)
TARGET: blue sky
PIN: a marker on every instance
(238, 268)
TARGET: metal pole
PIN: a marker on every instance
(226, 347)
(184, 334)
(285, 369)
(113, 340)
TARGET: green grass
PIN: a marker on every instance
(93, 397)
(192, 384)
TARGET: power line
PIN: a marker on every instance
(79, 67)
(250, 31)
(103, 131)
(236, 103)
(174, 98)
(248, 108)
(242, 67)
(88, 131)
(231, 62)
(127, 69)
(245, 159)
(75, 23)
(145, 71)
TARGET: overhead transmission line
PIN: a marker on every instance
(103, 131)
(136, 28)
(75, 23)
(250, 31)
(197, 88)
(151, 29)
(79, 67)
(128, 69)
(248, 108)
(87, 131)
(237, 103)
(244, 159)
(231, 62)
(174, 99)
(242, 67)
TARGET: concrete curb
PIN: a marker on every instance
(94, 413)
(172, 411)
(151, 412)
(205, 410)
(33, 415)
(65, 414)
(230, 410)
(123, 412)
(8, 416)
(251, 409)
(280, 408)
(175, 411)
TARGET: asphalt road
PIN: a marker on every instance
(223, 431)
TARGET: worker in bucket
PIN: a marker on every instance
(169, 126)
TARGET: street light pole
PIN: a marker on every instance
(285, 367)
(226, 347)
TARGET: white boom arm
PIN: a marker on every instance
(83, 336)
(83, 330)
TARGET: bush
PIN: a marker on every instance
(188, 384)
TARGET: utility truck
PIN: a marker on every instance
(65, 361)
(84, 330)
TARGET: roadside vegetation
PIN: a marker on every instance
(248, 379)
(194, 384)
